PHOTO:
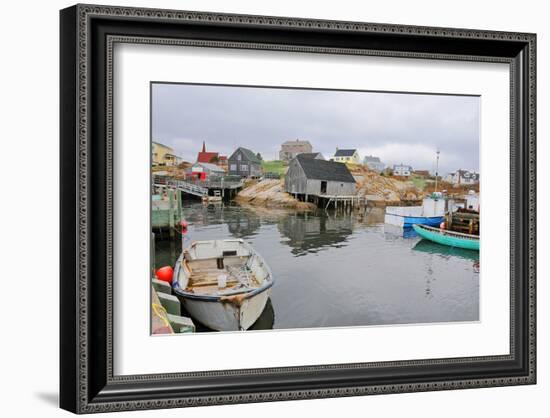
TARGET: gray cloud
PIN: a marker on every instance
(399, 128)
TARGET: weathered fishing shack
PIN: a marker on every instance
(244, 163)
(204, 171)
(320, 181)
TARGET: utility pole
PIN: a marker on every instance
(436, 169)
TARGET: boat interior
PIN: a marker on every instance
(220, 276)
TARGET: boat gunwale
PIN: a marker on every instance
(447, 232)
(412, 216)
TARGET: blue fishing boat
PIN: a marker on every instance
(431, 213)
(450, 238)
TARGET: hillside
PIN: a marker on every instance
(384, 189)
(378, 190)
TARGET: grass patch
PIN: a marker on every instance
(275, 166)
(419, 183)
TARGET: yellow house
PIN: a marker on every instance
(350, 156)
(164, 155)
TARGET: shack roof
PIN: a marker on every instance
(345, 152)
(248, 154)
(324, 170)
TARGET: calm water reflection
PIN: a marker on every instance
(343, 270)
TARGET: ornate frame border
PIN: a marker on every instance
(79, 387)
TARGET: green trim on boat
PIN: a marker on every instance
(452, 239)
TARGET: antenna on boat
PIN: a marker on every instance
(436, 169)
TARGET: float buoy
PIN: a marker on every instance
(442, 225)
(184, 226)
(165, 274)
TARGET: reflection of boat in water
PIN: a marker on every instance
(450, 238)
(444, 250)
(393, 232)
(266, 319)
(223, 284)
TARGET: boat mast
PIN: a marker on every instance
(436, 169)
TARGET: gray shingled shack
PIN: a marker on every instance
(313, 177)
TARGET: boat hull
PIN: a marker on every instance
(222, 315)
(409, 221)
(226, 310)
(452, 240)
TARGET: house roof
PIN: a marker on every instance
(345, 152)
(206, 157)
(248, 154)
(210, 167)
(468, 174)
(324, 170)
(371, 159)
(296, 142)
(310, 154)
(408, 167)
(161, 145)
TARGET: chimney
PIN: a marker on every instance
(203, 146)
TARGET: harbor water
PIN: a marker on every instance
(338, 270)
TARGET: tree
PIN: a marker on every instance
(259, 156)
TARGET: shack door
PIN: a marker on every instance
(323, 187)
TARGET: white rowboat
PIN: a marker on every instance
(224, 284)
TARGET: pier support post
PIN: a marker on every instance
(171, 223)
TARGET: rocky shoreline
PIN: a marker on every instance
(270, 193)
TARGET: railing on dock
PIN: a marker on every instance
(199, 188)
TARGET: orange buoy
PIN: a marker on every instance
(165, 274)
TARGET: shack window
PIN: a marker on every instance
(323, 186)
(244, 167)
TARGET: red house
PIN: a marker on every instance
(207, 157)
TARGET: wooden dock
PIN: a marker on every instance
(166, 213)
(218, 187)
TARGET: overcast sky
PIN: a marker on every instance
(398, 128)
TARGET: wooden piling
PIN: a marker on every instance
(171, 222)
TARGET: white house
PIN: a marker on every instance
(402, 170)
(374, 163)
(346, 156)
(463, 177)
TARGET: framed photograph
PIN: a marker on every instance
(261, 208)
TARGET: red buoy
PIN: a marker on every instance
(165, 274)
(184, 226)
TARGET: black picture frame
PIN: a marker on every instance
(87, 35)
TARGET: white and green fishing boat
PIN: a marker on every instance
(446, 237)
